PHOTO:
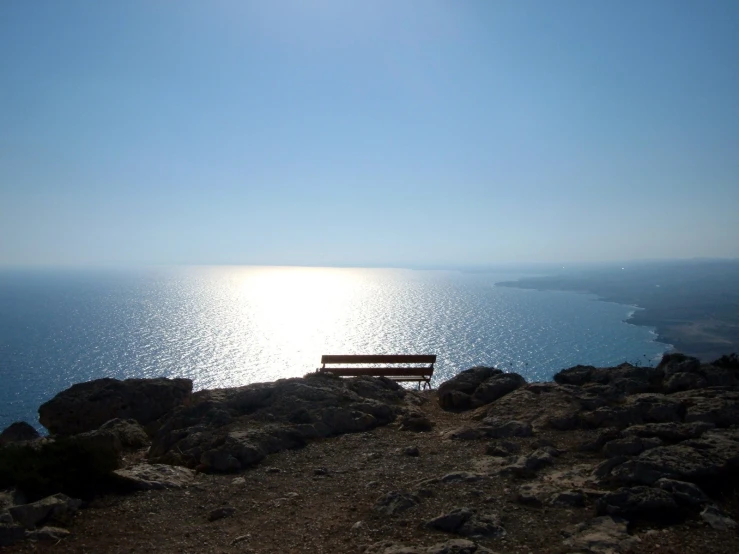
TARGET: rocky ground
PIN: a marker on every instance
(603, 460)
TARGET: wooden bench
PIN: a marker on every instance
(389, 368)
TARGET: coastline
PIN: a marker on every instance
(676, 320)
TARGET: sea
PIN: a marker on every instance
(226, 326)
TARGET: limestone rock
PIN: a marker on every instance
(155, 476)
(685, 494)
(220, 513)
(48, 533)
(86, 406)
(670, 432)
(709, 458)
(601, 535)
(629, 446)
(130, 433)
(227, 430)
(717, 519)
(395, 502)
(58, 507)
(477, 386)
(638, 502)
(468, 523)
(17, 432)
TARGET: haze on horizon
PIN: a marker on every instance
(367, 133)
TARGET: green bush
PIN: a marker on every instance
(64, 465)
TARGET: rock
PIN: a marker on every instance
(605, 435)
(456, 393)
(601, 535)
(415, 422)
(629, 446)
(394, 503)
(685, 381)
(636, 409)
(18, 432)
(685, 494)
(411, 451)
(461, 476)
(717, 519)
(10, 533)
(457, 546)
(499, 430)
(129, 432)
(612, 382)
(716, 406)
(86, 406)
(543, 405)
(454, 546)
(675, 362)
(155, 476)
(58, 507)
(707, 459)
(604, 469)
(221, 512)
(502, 448)
(48, 534)
(495, 387)
(638, 503)
(5, 517)
(534, 493)
(468, 523)
(227, 430)
(527, 466)
(670, 432)
(568, 498)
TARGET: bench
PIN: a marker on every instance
(389, 368)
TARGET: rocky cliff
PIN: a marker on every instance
(600, 460)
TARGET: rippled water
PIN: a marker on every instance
(226, 326)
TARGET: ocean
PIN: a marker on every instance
(229, 325)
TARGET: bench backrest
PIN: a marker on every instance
(379, 359)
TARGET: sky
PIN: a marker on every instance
(383, 133)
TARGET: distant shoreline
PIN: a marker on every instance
(689, 313)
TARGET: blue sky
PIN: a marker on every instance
(413, 133)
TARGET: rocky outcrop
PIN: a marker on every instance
(477, 386)
(86, 406)
(18, 432)
(227, 430)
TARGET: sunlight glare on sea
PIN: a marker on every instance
(226, 326)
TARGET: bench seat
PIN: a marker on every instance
(387, 366)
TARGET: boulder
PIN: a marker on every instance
(86, 406)
(131, 435)
(685, 494)
(629, 446)
(227, 430)
(602, 535)
(477, 386)
(669, 432)
(155, 476)
(58, 507)
(705, 460)
(713, 405)
(543, 405)
(18, 432)
(638, 503)
(394, 503)
(468, 523)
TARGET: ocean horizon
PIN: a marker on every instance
(225, 326)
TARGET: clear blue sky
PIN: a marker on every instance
(329, 132)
